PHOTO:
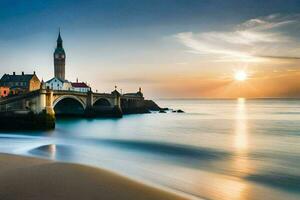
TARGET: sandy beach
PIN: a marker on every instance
(33, 178)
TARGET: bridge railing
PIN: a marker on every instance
(107, 95)
(14, 98)
(131, 97)
(79, 93)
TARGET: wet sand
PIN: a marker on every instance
(32, 178)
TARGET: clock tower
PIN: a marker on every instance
(59, 59)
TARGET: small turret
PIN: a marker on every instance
(115, 92)
(140, 92)
(43, 85)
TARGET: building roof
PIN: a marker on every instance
(17, 78)
(137, 94)
(56, 79)
(115, 92)
(80, 85)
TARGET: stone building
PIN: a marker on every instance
(59, 81)
(20, 83)
(59, 56)
(136, 94)
(4, 91)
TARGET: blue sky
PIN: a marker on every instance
(152, 43)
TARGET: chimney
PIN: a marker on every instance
(23, 73)
(34, 72)
(14, 73)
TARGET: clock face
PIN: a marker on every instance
(57, 56)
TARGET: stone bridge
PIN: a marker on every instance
(73, 103)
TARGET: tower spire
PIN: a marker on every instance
(59, 40)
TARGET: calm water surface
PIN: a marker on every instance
(219, 149)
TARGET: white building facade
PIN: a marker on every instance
(58, 84)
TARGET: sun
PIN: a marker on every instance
(240, 75)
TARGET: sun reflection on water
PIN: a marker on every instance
(52, 151)
(236, 188)
(241, 129)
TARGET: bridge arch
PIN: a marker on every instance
(102, 102)
(102, 105)
(69, 105)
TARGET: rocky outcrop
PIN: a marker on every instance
(27, 121)
(151, 105)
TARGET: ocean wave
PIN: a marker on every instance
(175, 152)
(170, 149)
(285, 113)
(16, 136)
(54, 151)
(279, 180)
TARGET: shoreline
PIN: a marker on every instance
(24, 177)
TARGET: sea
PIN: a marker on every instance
(219, 149)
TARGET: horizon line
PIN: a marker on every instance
(228, 98)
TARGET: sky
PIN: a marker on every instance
(170, 48)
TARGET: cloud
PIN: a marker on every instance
(269, 22)
(254, 40)
(280, 57)
(133, 80)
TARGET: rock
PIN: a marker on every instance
(165, 109)
(180, 111)
(151, 105)
(162, 111)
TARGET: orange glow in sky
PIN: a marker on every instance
(240, 75)
(193, 57)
